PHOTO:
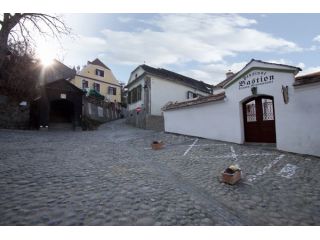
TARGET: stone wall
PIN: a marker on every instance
(137, 119)
(145, 121)
(100, 110)
(155, 123)
(13, 115)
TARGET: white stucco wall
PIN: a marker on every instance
(139, 71)
(297, 123)
(163, 91)
(299, 127)
(205, 120)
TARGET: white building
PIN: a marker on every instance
(263, 102)
(149, 89)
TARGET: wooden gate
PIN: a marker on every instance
(259, 119)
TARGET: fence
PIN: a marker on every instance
(100, 110)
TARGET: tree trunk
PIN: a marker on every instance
(3, 46)
(8, 23)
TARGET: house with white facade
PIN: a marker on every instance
(149, 89)
(263, 102)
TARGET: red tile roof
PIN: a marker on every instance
(307, 79)
(196, 101)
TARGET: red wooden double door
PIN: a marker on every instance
(259, 119)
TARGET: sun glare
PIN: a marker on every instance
(46, 56)
(46, 61)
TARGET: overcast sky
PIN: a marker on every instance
(202, 46)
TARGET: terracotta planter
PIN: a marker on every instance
(231, 177)
(156, 145)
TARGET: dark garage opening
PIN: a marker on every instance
(61, 111)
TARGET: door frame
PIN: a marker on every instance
(243, 114)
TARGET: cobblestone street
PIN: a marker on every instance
(112, 177)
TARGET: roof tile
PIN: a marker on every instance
(200, 85)
(196, 101)
(307, 79)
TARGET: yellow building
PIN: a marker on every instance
(95, 75)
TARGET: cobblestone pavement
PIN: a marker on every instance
(112, 177)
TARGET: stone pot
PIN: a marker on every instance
(156, 145)
(231, 177)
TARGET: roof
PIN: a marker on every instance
(307, 79)
(276, 64)
(164, 73)
(63, 84)
(228, 80)
(56, 71)
(224, 82)
(98, 63)
(196, 101)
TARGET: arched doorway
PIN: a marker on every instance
(259, 119)
(61, 113)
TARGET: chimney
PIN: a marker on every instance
(229, 74)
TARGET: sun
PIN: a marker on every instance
(46, 61)
(45, 55)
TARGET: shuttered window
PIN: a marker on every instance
(135, 94)
(112, 91)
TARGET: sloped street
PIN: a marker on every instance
(112, 177)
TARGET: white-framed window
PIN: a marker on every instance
(99, 72)
(96, 86)
(85, 84)
(112, 91)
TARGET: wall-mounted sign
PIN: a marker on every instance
(255, 78)
(23, 103)
(100, 111)
(63, 96)
(285, 94)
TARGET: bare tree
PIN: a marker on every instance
(18, 27)
(19, 74)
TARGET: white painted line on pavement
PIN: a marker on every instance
(257, 154)
(186, 152)
(195, 145)
(212, 144)
(221, 156)
(265, 169)
(288, 170)
(244, 155)
(233, 153)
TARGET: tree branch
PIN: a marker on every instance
(14, 25)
